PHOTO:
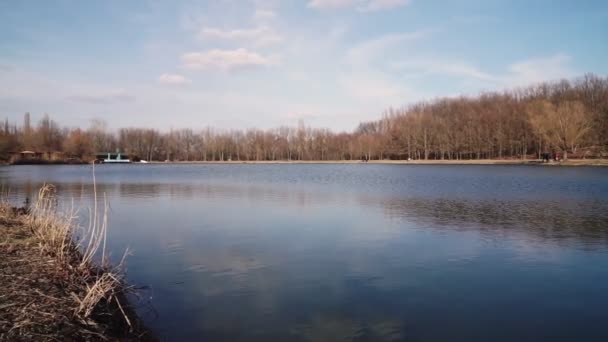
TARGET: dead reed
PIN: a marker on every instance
(57, 280)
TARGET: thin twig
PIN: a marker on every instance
(123, 312)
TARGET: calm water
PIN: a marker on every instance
(356, 252)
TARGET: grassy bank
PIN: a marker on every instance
(571, 162)
(56, 281)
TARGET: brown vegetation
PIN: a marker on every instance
(52, 287)
(566, 117)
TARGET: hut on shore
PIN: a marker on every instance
(35, 157)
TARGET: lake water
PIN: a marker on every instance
(357, 252)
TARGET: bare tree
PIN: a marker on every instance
(566, 115)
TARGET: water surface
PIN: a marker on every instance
(355, 252)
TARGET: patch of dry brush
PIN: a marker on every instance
(55, 279)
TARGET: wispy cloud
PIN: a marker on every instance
(375, 87)
(258, 36)
(4, 67)
(367, 79)
(360, 5)
(226, 60)
(262, 15)
(365, 51)
(476, 19)
(434, 66)
(539, 69)
(331, 4)
(519, 73)
(380, 5)
(117, 96)
(174, 79)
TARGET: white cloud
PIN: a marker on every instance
(360, 5)
(173, 79)
(258, 36)
(225, 60)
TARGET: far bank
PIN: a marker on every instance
(535, 162)
(531, 162)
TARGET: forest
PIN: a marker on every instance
(569, 117)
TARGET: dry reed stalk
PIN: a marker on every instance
(73, 245)
(52, 229)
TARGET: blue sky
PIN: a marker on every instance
(265, 63)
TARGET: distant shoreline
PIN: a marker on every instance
(531, 162)
(535, 162)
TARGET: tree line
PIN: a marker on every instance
(569, 117)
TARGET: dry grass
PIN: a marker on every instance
(57, 281)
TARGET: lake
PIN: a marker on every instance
(354, 252)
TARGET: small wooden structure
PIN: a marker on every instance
(26, 156)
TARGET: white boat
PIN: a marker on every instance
(117, 160)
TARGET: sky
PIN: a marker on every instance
(266, 63)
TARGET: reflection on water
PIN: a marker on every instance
(356, 252)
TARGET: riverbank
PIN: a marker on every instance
(571, 162)
(49, 162)
(52, 287)
(45, 162)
